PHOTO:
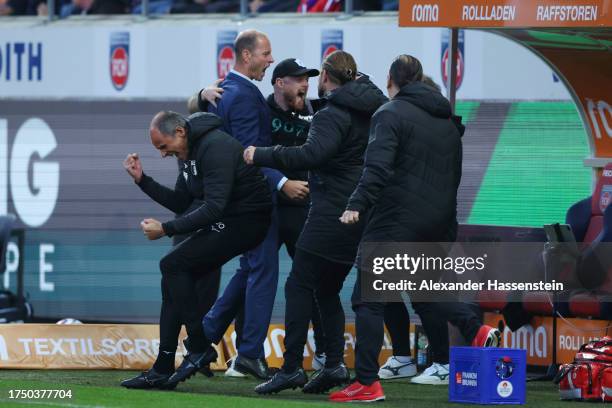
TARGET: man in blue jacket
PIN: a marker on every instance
(246, 117)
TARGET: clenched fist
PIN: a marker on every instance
(133, 166)
(248, 154)
(350, 217)
(152, 228)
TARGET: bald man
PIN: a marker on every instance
(225, 208)
(246, 116)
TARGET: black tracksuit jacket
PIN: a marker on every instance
(333, 154)
(214, 182)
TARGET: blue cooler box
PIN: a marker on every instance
(486, 375)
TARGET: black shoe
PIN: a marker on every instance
(192, 363)
(283, 381)
(257, 367)
(147, 380)
(204, 370)
(326, 379)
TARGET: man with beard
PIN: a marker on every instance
(325, 251)
(225, 209)
(408, 192)
(291, 114)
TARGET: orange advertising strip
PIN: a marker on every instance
(133, 347)
(505, 13)
(536, 338)
(84, 346)
(274, 345)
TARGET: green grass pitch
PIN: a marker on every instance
(101, 389)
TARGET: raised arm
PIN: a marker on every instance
(324, 139)
(177, 200)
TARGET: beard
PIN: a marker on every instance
(296, 101)
(258, 72)
(321, 90)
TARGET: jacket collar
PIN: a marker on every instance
(239, 78)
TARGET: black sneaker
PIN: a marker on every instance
(283, 381)
(326, 379)
(147, 380)
(192, 363)
(204, 370)
(257, 367)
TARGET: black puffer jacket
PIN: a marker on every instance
(214, 182)
(333, 154)
(412, 169)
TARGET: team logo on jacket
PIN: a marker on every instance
(331, 40)
(226, 57)
(119, 59)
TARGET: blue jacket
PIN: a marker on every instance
(246, 117)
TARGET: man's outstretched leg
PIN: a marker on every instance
(208, 250)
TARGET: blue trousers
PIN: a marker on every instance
(253, 287)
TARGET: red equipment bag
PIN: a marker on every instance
(589, 377)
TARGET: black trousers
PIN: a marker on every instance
(312, 274)
(436, 329)
(369, 320)
(206, 291)
(291, 220)
(397, 321)
(199, 256)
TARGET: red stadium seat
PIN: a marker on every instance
(538, 303)
(591, 221)
(585, 305)
(492, 301)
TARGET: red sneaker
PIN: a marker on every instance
(359, 392)
(487, 336)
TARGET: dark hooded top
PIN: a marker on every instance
(333, 154)
(412, 169)
(291, 129)
(214, 182)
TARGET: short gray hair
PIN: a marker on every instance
(167, 122)
(247, 40)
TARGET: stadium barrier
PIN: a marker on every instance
(129, 346)
(84, 346)
(536, 337)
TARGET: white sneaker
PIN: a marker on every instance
(435, 374)
(318, 361)
(231, 369)
(394, 368)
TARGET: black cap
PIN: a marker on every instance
(292, 67)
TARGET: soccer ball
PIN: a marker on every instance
(69, 321)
